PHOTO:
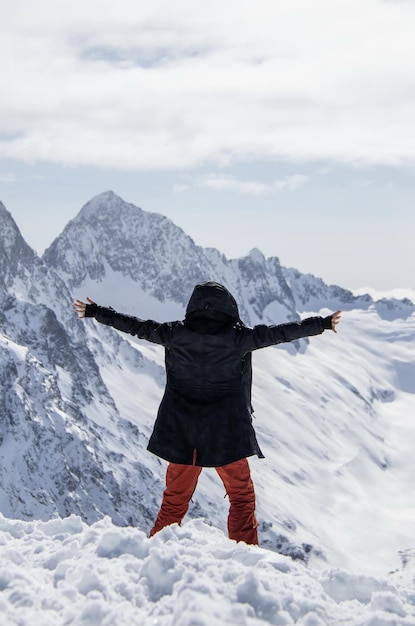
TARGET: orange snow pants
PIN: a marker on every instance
(181, 481)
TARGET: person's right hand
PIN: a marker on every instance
(80, 307)
(335, 319)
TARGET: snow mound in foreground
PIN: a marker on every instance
(64, 572)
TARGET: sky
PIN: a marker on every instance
(288, 127)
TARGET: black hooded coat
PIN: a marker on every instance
(205, 416)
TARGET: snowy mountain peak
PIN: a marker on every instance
(23, 275)
(149, 260)
(256, 256)
(103, 206)
(111, 236)
(15, 253)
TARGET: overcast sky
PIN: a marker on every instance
(286, 126)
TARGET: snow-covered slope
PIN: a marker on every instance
(63, 440)
(334, 415)
(64, 572)
(310, 293)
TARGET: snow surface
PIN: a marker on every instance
(64, 572)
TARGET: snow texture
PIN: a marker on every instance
(67, 572)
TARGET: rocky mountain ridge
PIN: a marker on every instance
(165, 263)
(53, 458)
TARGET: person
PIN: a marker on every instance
(205, 416)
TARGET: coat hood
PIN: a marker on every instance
(211, 299)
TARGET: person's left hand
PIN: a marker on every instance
(335, 319)
(80, 307)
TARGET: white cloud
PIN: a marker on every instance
(179, 188)
(293, 182)
(155, 85)
(253, 187)
(365, 182)
(221, 183)
(7, 177)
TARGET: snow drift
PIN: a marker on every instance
(67, 572)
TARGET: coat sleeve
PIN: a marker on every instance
(262, 336)
(143, 329)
